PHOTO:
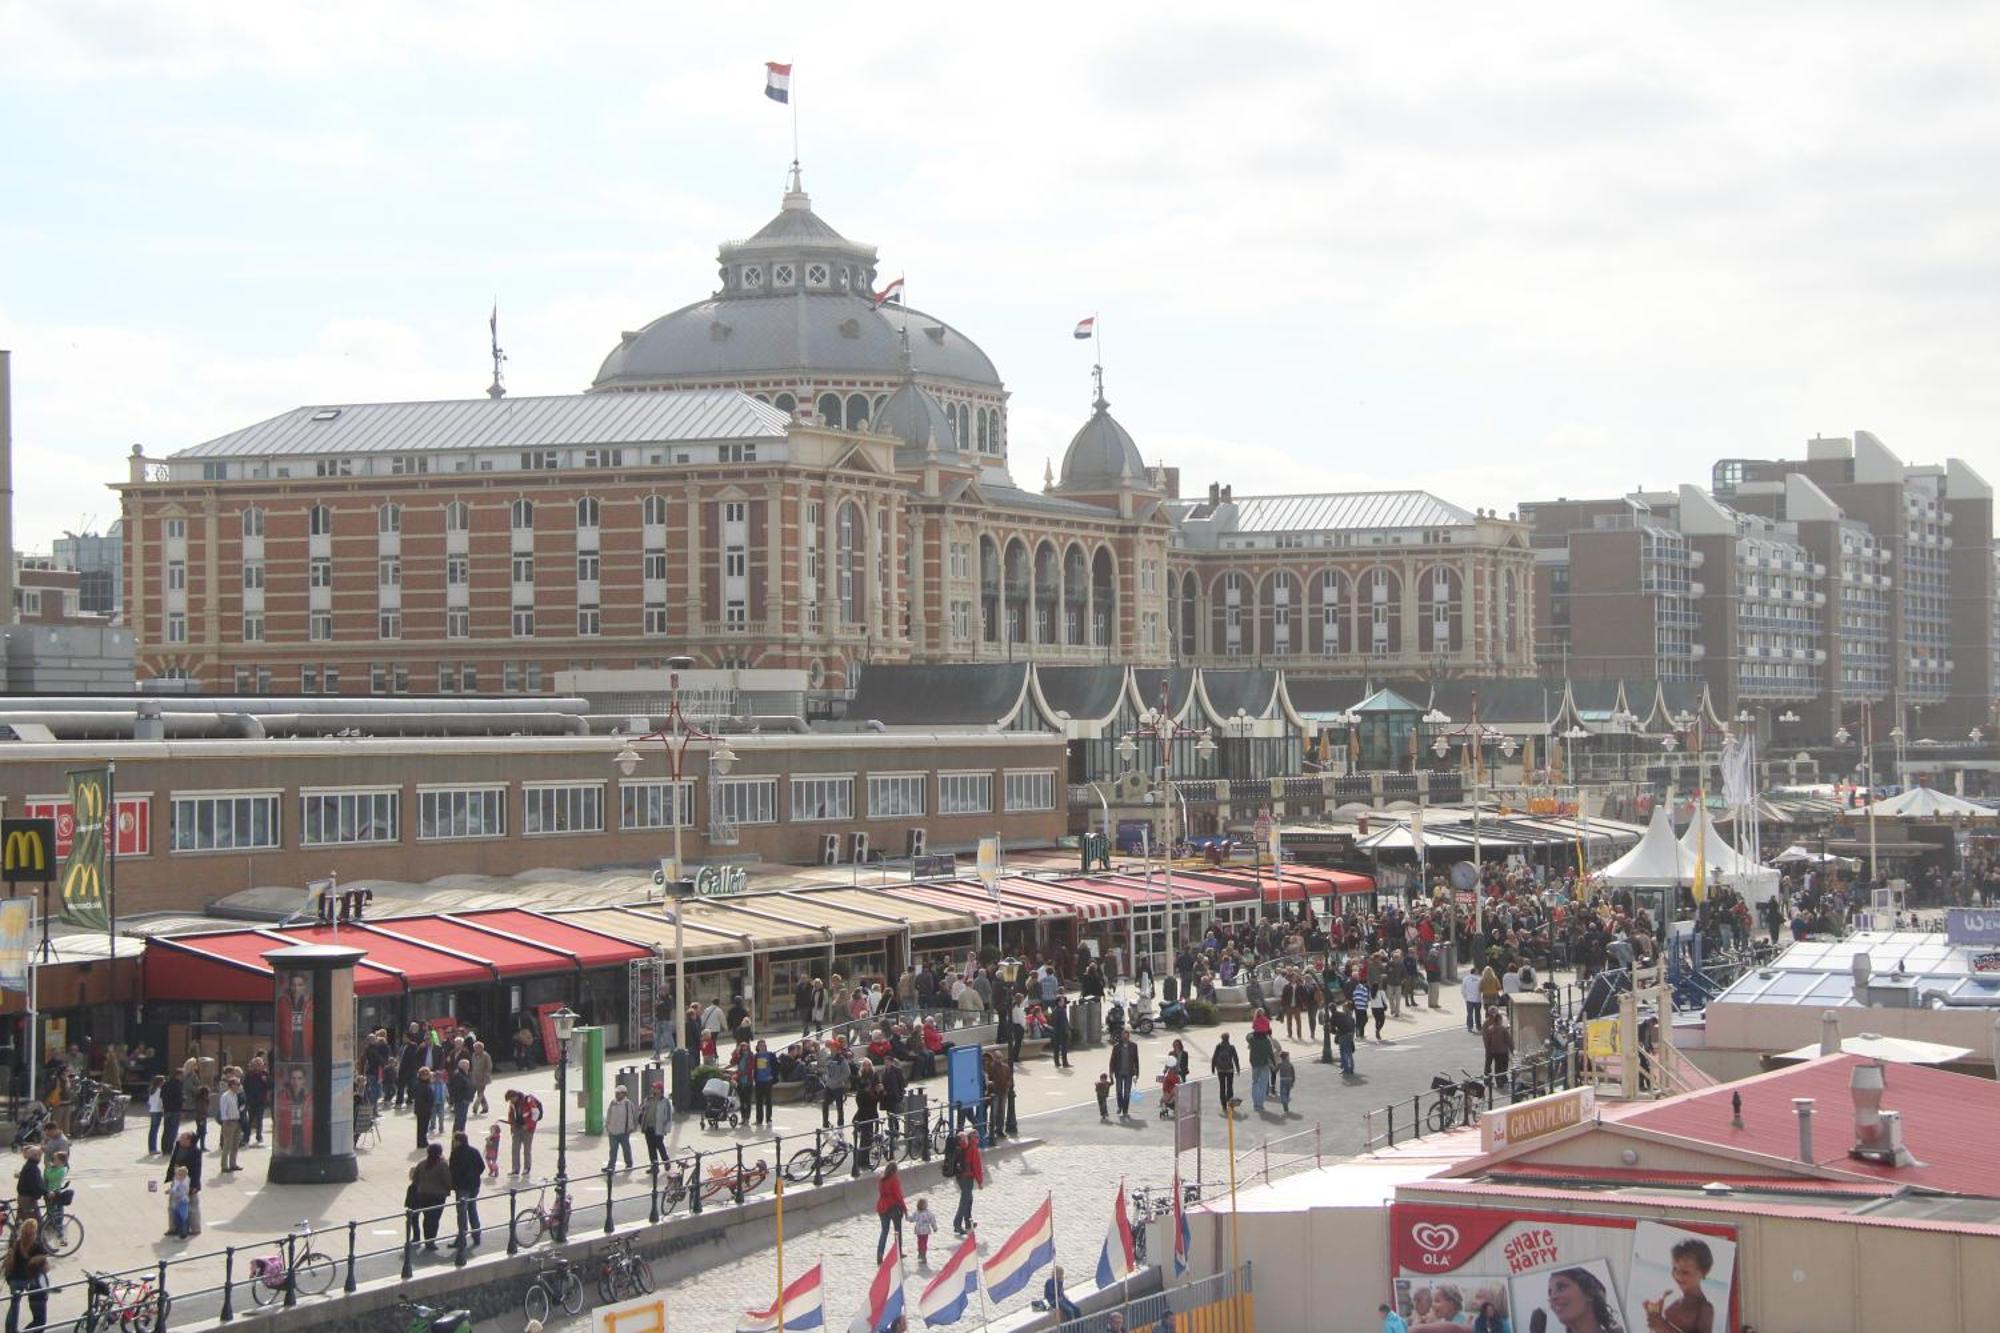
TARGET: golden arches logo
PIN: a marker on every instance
(83, 882)
(24, 850)
(90, 802)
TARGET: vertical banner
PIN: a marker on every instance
(16, 922)
(83, 873)
(989, 866)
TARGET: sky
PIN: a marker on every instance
(1500, 252)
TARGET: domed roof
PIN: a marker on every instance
(918, 422)
(1102, 456)
(801, 332)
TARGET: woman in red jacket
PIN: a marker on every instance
(890, 1208)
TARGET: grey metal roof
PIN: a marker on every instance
(1013, 497)
(963, 695)
(1102, 455)
(820, 332)
(505, 423)
(1351, 509)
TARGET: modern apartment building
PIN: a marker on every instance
(1614, 590)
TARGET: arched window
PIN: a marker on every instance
(458, 517)
(1076, 596)
(829, 410)
(653, 511)
(984, 436)
(1438, 612)
(989, 589)
(253, 522)
(524, 516)
(964, 419)
(1048, 592)
(586, 512)
(1379, 615)
(320, 521)
(389, 518)
(1190, 614)
(785, 403)
(1103, 598)
(1278, 612)
(857, 410)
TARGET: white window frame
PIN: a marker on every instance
(1030, 789)
(561, 809)
(896, 792)
(743, 800)
(968, 792)
(356, 816)
(642, 804)
(808, 790)
(457, 804)
(243, 805)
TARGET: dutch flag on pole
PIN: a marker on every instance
(1182, 1237)
(885, 1296)
(804, 1307)
(1119, 1259)
(1085, 328)
(944, 1300)
(890, 295)
(777, 81)
(1026, 1253)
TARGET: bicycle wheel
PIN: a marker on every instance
(315, 1274)
(263, 1293)
(672, 1194)
(63, 1234)
(715, 1185)
(527, 1230)
(151, 1311)
(607, 1285)
(85, 1322)
(642, 1275)
(1441, 1115)
(535, 1303)
(800, 1167)
(571, 1294)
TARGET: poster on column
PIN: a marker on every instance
(1558, 1272)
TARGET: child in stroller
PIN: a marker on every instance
(1170, 1082)
(719, 1104)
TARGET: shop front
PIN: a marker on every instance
(718, 967)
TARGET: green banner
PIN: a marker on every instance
(83, 874)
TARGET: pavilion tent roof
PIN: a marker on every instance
(1927, 803)
(1658, 858)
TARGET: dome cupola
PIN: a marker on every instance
(1102, 456)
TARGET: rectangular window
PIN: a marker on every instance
(378, 678)
(965, 793)
(339, 818)
(735, 562)
(177, 576)
(603, 457)
(587, 619)
(177, 627)
(319, 573)
(389, 625)
(177, 529)
(468, 678)
(524, 569)
(648, 805)
(457, 570)
(253, 627)
(586, 567)
(447, 678)
(895, 795)
(735, 511)
(540, 460)
(225, 822)
(743, 801)
(253, 522)
(461, 812)
(308, 680)
(654, 565)
(815, 799)
(1032, 790)
(253, 576)
(389, 571)
(524, 622)
(562, 809)
(656, 618)
(457, 622)
(735, 615)
(409, 465)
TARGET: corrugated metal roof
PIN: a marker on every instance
(1352, 509)
(505, 423)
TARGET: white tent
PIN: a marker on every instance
(1800, 854)
(1726, 865)
(1657, 860)
(1927, 803)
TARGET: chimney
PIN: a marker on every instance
(1215, 492)
(1865, 1084)
(6, 489)
(1228, 493)
(1863, 969)
(1829, 1033)
(1804, 1106)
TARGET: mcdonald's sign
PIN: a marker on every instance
(84, 870)
(27, 851)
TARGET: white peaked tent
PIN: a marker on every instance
(1927, 803)
(1726, 865)
(1657, 860)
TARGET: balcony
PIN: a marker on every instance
(735, 629)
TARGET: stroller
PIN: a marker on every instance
(719, 1105)
(1170, 1082)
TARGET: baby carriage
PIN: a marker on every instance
(719, 1105)
(1170, 1082)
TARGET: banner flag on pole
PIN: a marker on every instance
(1028, 1251)
(945, 1299)
(83, 874)
(1119, 1259)
(804, 1307)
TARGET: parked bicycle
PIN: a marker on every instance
(417, 1318)
(826, 1156)
(1459, 1102)
(736, 1183)
(133, 1304)
(676, 1175)
(624, 1273)
(555, 1283)
(310, 1271)
(540, 1218)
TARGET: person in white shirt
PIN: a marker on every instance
(229, 1110)
(1468, 987)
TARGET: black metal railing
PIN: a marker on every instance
(1456, 1102)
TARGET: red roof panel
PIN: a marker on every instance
(515, 958)
(590, 947)
(422, 968)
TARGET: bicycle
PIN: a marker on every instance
(555, 1283)
(532, 1223)
(310, 1272)
(624, 1273)
(675, 1175)
(1458, 1103)
(130, 1304)
(821, 1158)
(62, 1230)
(730, 1180)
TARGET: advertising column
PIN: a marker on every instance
(312, 1071)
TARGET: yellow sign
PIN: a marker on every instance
(1536, 1118)
(28, 850)
(1600, 1038)
(641, 1314)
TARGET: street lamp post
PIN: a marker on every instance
(1473, 738)
(1159, 724)
(564, 1022)
(675, 737)
(1868, 766)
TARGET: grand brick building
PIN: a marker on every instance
(784, 474)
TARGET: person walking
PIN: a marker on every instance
(186, 1154)
(1059, 1032)
(256, 1098)
(835, 1073)
(156, 1115)
(27, 1271)
(1468, 990)
(1283, 1078)
(408, 1061)
(231, 1113)
(656, 1121)
(1124, 1069)
(1223, 1064)
(203, 1101)
(1341, 1019)
(30, 1185)
(430, 1186)
(1263, 1059)
(467, 1165)
(482, 1077)
(890, 1207)
(173, 1103)
(620, 1119)
(524, 1113)
(965, 1167)
(423, 1100)
(1378, 1007)
(764, 1077)
(1498, 1041)
(459, 1089)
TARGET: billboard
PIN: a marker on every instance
(1554, 1272)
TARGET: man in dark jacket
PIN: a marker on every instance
(407, 1065)
(1124, 1069)
(1059, 1032)
(424, 1102)
(460, 1090)
(1224, 1064)
(467, 1164)
(173, 1100)
(802, 1003)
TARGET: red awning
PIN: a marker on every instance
(1226, 889)
(1137, 893)
(420, 967)
(219, 968)
(592, 948)
(1069, 896)
(981, 908)
(514, 957)
(1025, 904)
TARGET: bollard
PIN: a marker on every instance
(854, 1158)
(653, 1211)
(160, 1280)
(694, 1184)
(228, 1284)
(1391, 1109)
(513, 1237)
(291, 1271)
(819, 1156)
(607, 1200)
(348, 1286)
(736, 1185)
(408, 1270)
(464, 1241)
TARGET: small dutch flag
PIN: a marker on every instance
(777, 81)
(1085, 328)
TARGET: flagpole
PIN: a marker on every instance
(792, 100)
(111, 858)
(778, 1184)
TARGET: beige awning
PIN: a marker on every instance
(645, 925)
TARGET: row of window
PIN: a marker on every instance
(457, 516)
(226, 822)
